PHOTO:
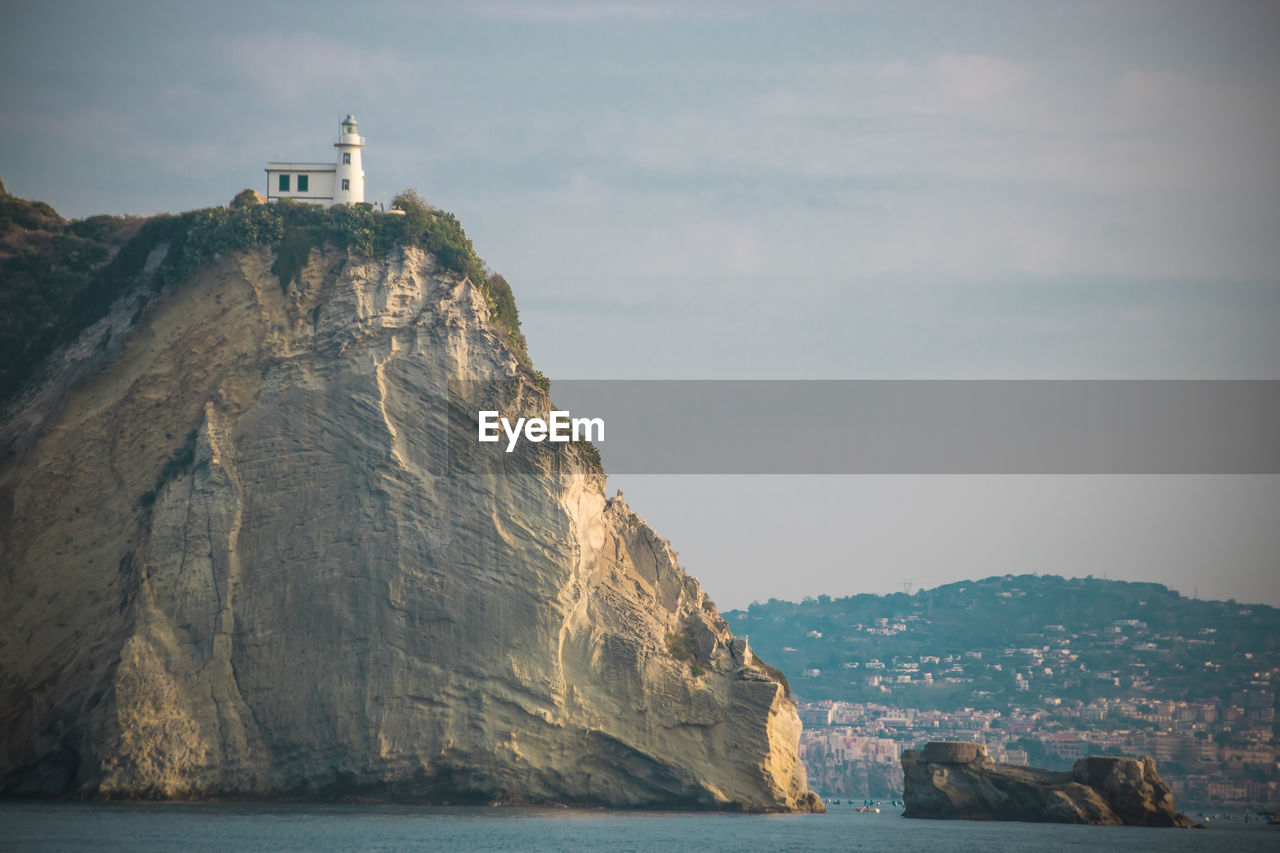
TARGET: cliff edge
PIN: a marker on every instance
(236, 562)
(959, 781)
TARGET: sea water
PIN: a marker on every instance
(193, 827)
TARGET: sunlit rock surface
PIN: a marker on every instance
(236, 561)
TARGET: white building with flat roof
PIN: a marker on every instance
(340, 182)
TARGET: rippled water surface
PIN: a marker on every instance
(302, 827)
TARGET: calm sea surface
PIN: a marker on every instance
(197, 827)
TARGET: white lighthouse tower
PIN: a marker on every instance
(323, 183)
(348, 182)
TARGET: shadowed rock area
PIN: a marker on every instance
(959, 781)
(235, 561)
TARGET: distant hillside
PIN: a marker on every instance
(988, 643)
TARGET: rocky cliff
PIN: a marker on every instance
(235, 561)
(960, 781)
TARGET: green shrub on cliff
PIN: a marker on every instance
(593, 455)
(776, 675)
(680, 647)
(50, 281)
(291, 257)
(441, 234)
(504, 303)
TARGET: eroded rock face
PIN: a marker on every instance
(960, 781)
(237, 562)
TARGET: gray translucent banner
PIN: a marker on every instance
(893, 427)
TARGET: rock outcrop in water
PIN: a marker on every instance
(960, 781)
(236, 562)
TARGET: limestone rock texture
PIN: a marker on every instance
(960, 781)
(235, 561)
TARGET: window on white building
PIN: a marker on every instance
(284, 183)
(346, 184)
(302, 183)
(346, 158)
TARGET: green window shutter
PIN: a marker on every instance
(302, 183)
(284, 183)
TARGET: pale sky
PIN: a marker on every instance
(764, 190)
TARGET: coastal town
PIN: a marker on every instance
(1207, 754)
(1058, 669)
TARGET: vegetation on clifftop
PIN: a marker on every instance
(441, 234)
(52, 282)
(58, 277)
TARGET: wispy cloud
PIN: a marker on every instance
(961, 165)
(973, 77)
(589, 11)
(281, 67)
